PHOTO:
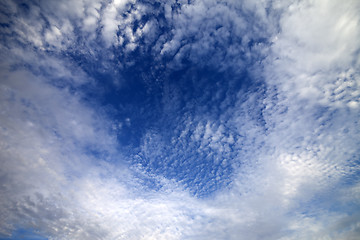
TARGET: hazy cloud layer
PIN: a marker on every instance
(180, 119)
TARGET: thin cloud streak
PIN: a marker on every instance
(273, 155)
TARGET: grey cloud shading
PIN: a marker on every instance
(291, 141)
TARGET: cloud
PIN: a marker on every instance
(50, 181)
(320, 55)
(256, 132)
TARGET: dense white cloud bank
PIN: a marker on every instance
(295, 170)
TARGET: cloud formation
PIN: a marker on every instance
(180, 119)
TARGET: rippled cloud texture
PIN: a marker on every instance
(201, 119)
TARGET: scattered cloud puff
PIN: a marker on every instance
(257, 134)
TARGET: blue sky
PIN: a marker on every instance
(179, 120)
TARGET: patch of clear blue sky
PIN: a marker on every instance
(143, 101)
(141, 98)
(137, 91)
(24, 234)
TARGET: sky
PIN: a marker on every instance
(179, 119)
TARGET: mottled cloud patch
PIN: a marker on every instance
(179, 119)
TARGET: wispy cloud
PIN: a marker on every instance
(253, 127)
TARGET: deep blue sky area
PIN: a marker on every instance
(179, 120)
(27, 234)
(147, 95)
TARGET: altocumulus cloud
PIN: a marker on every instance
(210, 119)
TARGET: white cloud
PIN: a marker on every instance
(290, 165)
(114, 21)
(316, 52)
(51, 184)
